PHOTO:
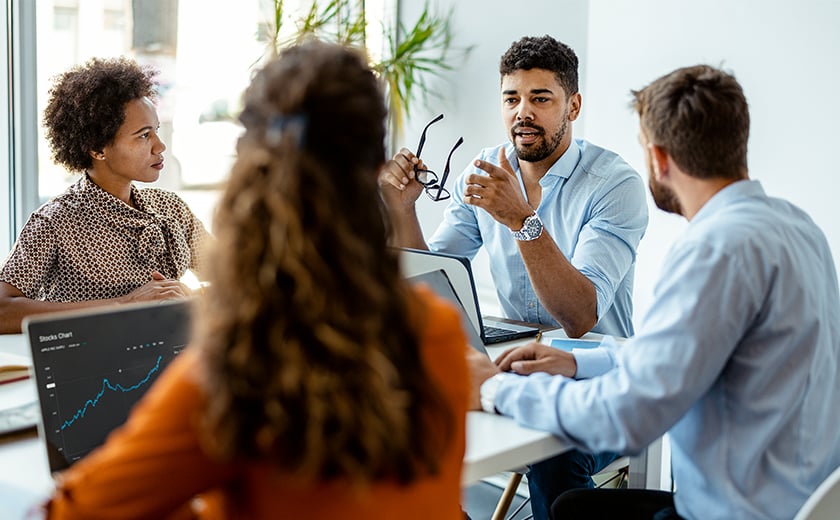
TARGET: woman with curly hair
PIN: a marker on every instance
(103, 240)
(319, 384)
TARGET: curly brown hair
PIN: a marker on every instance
(311, 344)
(86, 107)
(543, 52)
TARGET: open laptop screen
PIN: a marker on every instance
(92, 366)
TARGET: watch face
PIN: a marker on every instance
(531, 229)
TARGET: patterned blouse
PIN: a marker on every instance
(86, 244)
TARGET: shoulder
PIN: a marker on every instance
(441, 322)
(67, 204)
(599, 161)
(164, 201)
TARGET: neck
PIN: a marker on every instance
(694, 193)
(118, 188)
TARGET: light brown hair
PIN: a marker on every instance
(700, 116)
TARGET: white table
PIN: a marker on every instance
(494, 443)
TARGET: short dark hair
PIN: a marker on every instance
(543, 52)
(86, 107)
(700, 116)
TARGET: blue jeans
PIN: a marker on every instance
(552, 477)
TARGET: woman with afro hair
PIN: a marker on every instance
(104, 240)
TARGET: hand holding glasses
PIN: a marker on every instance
(428, 178)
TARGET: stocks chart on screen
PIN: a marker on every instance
(91, 369)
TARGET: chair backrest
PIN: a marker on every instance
(824, 503)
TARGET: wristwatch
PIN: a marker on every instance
(487, 392)
(532, 228)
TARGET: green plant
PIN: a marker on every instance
(411, 57)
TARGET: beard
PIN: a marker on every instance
(542, 148)
(663, 196)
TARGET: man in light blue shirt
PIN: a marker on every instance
(561, 220)
(737, 359)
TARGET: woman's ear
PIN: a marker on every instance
(98, 156)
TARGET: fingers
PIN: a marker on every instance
(399, 171)
(511, 355)
(157, 276)
(503, 169)
(504, 163)
(536, 357)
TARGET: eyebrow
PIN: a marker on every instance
(144, 129)
(533, 91)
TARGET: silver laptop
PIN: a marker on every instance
(440, 284)
(459, 272)
(92, 366)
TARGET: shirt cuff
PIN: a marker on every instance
(592, 362)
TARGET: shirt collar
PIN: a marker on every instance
(562, 167)
(736, 190)
(107, 200)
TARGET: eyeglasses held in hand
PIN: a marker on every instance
(428, 178)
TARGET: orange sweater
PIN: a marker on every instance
(154, 465)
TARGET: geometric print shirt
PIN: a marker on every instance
(86, 244)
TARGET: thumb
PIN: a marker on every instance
(504, 163)
(157, 276)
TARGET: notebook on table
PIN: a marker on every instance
(92, 366)
(459, 272)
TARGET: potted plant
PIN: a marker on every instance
(411, 56)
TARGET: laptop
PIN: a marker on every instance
(459, 271)
(92, 366)
(440, 284)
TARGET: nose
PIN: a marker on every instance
(159, 146)
(524, 111)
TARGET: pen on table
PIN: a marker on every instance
(539, 336)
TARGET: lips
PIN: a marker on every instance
(526, 134)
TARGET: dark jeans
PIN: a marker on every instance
(552, 477)
(607, 504)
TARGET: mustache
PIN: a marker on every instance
(518, 126)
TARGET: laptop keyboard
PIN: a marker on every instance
(495, 332)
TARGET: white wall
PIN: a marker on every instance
(785, 54)
(470, 97)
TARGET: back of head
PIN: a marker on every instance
(312, 355)
(86, 107)
(545, 53)
(700, 116)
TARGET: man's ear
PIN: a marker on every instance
(574, 106)
(659, 157)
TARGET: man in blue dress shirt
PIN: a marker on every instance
(561, 220)
(738, 357)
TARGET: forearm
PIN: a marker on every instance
(566, 294)
(14, 309)
(407, 230)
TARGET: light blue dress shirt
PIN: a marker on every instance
(593, 206)
(738, 359)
